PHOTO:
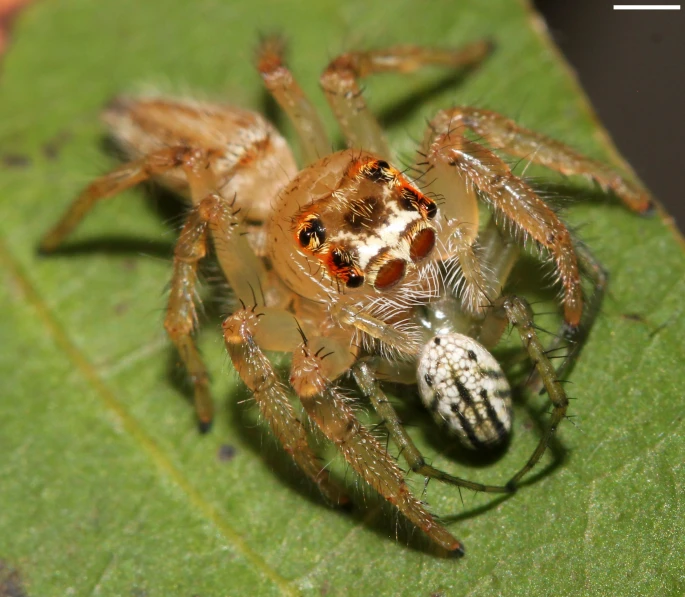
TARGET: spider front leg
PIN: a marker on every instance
(505, 135)
(245, 272)
(340, 82)
(467, 164)
(241, 331)
(286, 91)
(332, 413)
(461, 165)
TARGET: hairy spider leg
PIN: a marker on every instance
(572, 339)
(467, 163)
(506, 135)
(519, 314)
(181, 315)
(332, 413)
(286, 91)
(340, 83)
(269, 393)
(500, 251)
(516, 200)
(211, 213)
(113, 183)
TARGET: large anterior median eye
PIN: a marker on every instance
(422, 244)
(390, 274)
(312, 233)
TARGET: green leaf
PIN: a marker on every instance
(106, 488)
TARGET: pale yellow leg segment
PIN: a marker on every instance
(270, 395)
(340, 82)
(500, 253)
(112, 184)
(407, 341)
(370, 460)
(282, 85)
(505, 135)
(244, 271)
(466, 271)
(214, 213)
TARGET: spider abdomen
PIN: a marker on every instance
(464, 387)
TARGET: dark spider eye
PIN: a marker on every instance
(312, 234)
(338, 259)
(343, 268)
(354, 281)
(431, 209)
(378, 171)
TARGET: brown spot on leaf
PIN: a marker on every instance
(10, 582)
(16, 160)
(226, 453)
(52, 147)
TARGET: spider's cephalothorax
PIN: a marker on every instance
(351, 249)
(357, 224)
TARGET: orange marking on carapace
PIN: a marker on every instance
(258, 148)
(372, 169)
(416, 200)
(342, 267)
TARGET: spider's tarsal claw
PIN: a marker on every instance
(458, 552)
(205, 426)
(649, 211)
(345, 505)
(45, 249)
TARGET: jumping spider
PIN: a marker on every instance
(349, 266)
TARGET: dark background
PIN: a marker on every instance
(632, 65)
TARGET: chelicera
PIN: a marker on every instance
(352, 265)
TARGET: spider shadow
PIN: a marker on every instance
(403, 109)
(116, 244)
(563, 194)
(256, 435)
(440, 441)
(169, 207)
(378, 516)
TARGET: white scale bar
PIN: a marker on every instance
(646, 6)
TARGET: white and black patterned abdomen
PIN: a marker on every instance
(464, 387)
